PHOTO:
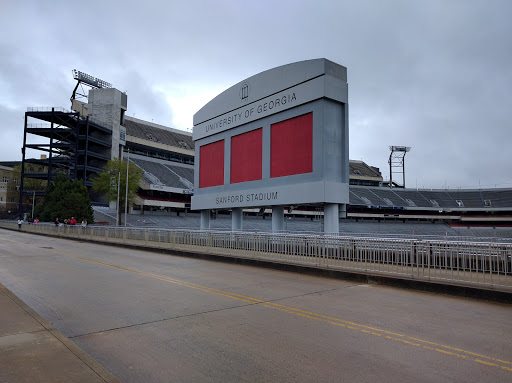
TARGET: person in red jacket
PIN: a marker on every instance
(72, 221)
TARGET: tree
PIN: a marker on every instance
(29, 185)
(65, 199)
(107, 182)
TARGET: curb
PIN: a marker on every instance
(95, 366)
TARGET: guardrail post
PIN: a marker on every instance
(489, 256)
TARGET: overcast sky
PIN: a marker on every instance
(433, 75)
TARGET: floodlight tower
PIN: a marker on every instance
(397, 162)
(87, 79)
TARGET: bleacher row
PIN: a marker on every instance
(359, 168)
(168, 175)
(364, 196)
(410, 229)
(137, 128)
(446, 199)
(172, 175)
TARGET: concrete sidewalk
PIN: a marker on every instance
(32, 350)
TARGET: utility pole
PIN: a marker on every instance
(33, 202)
(126, 198)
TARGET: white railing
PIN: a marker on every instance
(478, 264)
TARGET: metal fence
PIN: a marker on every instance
(478, 264)
(47, 109)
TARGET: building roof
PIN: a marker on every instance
(10, 164)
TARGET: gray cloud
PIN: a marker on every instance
(434, 75)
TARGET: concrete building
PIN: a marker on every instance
(80, 142)
(7, 189)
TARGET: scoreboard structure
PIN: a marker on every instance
(276, 139)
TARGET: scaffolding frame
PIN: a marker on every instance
(75, 147)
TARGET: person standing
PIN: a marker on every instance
(72, 221)
(57, 222)
(84, 223)
(20, 221)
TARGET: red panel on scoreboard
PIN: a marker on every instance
(211, 164)
(246, 152)
(292, 146)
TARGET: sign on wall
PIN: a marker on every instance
(277, 138)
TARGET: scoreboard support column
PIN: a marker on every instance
(277, 218)
(236, 219)
(343, 210)
(331, 218)
(205, 219)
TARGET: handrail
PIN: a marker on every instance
(479, 264)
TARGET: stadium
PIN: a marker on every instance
(95, 129)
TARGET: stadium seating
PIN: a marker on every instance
(470, 199)
(171, 175)
(498, 197)
(137, 128)
(167, 174)
(414, 196)
(355, 199)
(371, 194)
(423, 198)
(485, 232)
(359, 168)
(350, 227)
(391, 196)
(440, 196)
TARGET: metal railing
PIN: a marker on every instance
(47, 109)
(478, 264)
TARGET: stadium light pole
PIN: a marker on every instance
(126, 198)
(397, 160)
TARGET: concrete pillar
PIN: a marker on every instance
(331, 219)
(277, 218)
(205, 220)
(236, 219)
(343, 210)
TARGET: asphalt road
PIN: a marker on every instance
(150, 317)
